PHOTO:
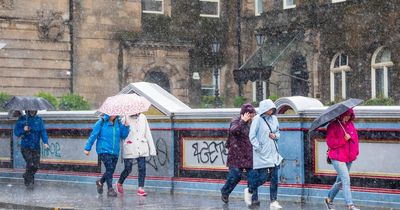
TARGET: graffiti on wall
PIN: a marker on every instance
(204, 153)
(162, 158)
(54, 150)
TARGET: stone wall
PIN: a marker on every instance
(37, 56)
(96, 26)
(171, 60)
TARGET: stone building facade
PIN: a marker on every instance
(331, 49)
(346, 48)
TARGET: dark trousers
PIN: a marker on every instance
(110, 162)
(32, 159)
(259, 176)
(128, 163)
(233, 178)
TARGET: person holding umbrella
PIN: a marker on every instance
(342, 141)
(30, 129)
(107, 132)
(138, 145)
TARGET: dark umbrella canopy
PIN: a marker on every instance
(28, 103)
(333, 112)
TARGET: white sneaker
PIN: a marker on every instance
(247, 196)
(275, 205)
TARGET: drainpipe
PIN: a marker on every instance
(71, 35)
(238, 32)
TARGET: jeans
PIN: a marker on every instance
(128, 163)
(342, 180)
(259, 176)
(110, 162)
(32, 159)
(233, 178)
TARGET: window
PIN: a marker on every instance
(339, 69)
(208, 82)
(381, 73)
(209, 8)
(289, 4)
(153, 6)
(337, 1)
(259, 8)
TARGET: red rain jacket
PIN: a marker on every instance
(339, 148)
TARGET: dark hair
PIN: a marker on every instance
(247, 107)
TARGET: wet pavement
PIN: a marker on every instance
(70, 195)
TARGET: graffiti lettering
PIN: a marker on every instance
(54, 150)
(210, 152)
(162, 155)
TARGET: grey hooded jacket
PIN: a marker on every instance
(265, 154)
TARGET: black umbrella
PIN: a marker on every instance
(333, 112)
(28, 103)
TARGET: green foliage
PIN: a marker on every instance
(255, 103)
(273, 97)
(73, 102)
(49, 97)
(239, 101)
(4, 97)
(379, 101)
(209, 102)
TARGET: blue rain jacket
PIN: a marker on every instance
(265, 153)
(108, 136)
(31, 138)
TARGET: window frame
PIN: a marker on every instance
(337, 1)
(218, 9)
(156, 12)
(383, 65)
(256, 13)
(342, 69)
(285, 6)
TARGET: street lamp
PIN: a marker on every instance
(260, 37)
(215, 50)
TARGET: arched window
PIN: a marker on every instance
(158, 77)
(381, 73)
(339, 68)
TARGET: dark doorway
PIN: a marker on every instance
(299, 85)
(158, 78)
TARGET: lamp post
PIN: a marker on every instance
(260, 37)
(215, 50)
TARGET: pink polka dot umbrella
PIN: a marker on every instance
(124, 104)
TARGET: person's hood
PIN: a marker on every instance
(348, 112)
(266, 105)
(106, 117)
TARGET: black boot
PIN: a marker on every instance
(225, 198)
(111, 193)
(99, 187)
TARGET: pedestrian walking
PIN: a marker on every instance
(264, 134)
(240, 150)
(108, 131)
(30, 128)
(342, 141)
(138, 145)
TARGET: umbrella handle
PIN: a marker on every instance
(345, 132)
